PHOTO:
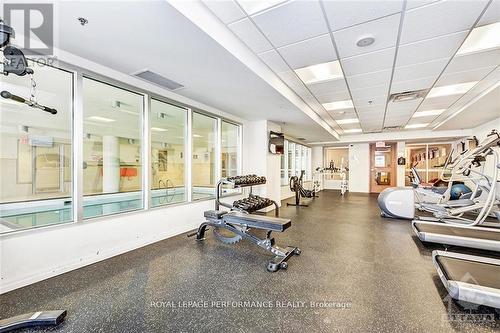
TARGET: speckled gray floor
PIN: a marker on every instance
(378, 277)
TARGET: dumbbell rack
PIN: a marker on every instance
(240, 182)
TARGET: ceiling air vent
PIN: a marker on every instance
(408, 95)
(301, 139)
(158, 80)
(391, 128)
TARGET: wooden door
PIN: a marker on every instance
(382, 167)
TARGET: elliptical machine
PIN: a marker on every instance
(296, 186)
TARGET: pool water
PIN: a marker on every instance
(60, 211)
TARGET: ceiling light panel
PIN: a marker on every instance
(320, 72)
(340, 105)
(292, 22)
(340, 13)
(312, 51)
(460, 15)
(255, 6)
(384, 31)
(159, 129)
(428, 113)
(481, 39)
(430, 49)
(250, 35)
(454, 89)
(228, 11)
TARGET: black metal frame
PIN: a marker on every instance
(216, 220)
(295, 184)
(218, 195)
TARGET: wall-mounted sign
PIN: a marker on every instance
(380, 144)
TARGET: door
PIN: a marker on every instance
(382, 166)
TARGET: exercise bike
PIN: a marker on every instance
(296, 186)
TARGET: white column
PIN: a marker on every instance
(110, 164)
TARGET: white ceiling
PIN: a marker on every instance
(167, 43)
(414, 48)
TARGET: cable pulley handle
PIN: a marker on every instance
(7, 95)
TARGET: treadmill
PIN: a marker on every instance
(452, 234)
(469, 278)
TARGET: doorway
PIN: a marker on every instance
(382, 166)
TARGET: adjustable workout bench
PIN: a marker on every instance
(239, 224)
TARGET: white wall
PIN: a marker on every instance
(359, 167)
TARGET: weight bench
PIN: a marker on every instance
(239, 224)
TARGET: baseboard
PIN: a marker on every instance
(91, 259)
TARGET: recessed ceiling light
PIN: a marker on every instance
(339, 105)
(348, 121)
(365, 41)
(452, 89)
(427, 113)
(481, 39)
(416, 125)
(101, 119)
(354, 130)
(320, 72)
(159, 129)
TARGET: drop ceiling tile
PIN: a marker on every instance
(384, 30)
(473, 61)
(274, 61)
(255, 6)
(227, 11)
(370, 111)
(376, 102)
(368, 62)
(430, 49)
(250, 35)
(370, 93)
(350, 126)
(334, 96)
(312, 51)
(343, 14)
(463, 77)
(406, 106)
(292, 22)
(491, 15)
(327, 87)
(400, 122)
(410, 85)
(369, 79)
(410, 4)
(420, 70)
(440, 18)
